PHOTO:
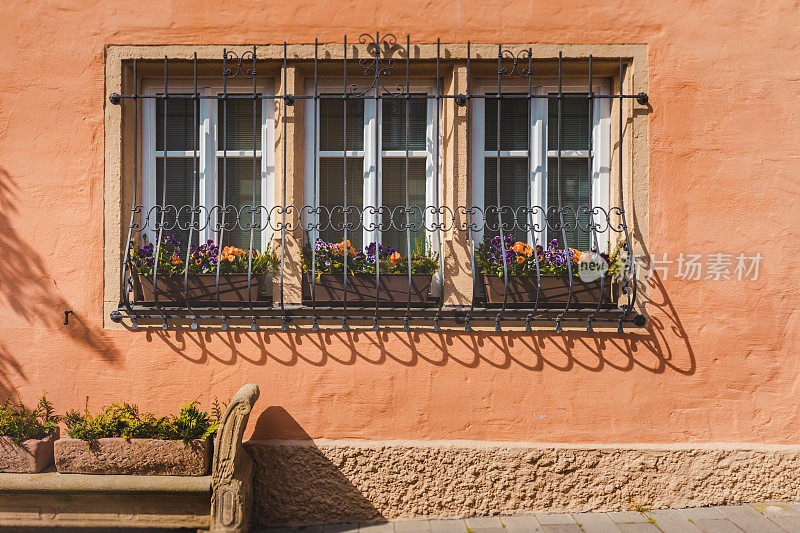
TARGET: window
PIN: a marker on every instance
(216, 155)
(371, 141)
(363, 156)
(529, 165)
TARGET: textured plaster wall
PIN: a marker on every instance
(348, 481)
(718, 364)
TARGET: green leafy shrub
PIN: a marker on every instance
(122, 419)
(20, 423)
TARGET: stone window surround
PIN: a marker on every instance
(455, 187)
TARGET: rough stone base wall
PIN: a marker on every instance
(305, 482)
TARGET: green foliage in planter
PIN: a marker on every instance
(203, 259)
(122, 419)
(21, 423)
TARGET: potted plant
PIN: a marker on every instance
(325, 284)
(27, 436)
(201, 281)
(121, 440)
(550, 289)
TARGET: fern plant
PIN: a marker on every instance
(20, 423)
(121, 419)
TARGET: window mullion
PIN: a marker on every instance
(538, 148)
(601, 151)
(371, 158)
(207, 156)
(149, 157)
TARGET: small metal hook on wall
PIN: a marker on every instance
(66, 317)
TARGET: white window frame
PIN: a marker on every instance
(207, 150)
(371, 187)
(601, 149)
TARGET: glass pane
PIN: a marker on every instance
(575, 192)
(513, 195)
(331, 194)
(393, 123)
(331, 124)
(393, 191)
(238, 122)
(180, 176)
(180, 114)
(574, 123)
(514, 124)
(237, 185)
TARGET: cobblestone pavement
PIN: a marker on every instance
(767, 517)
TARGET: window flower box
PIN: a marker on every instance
(202, 288)
(154, 457)
(362, 286)
(550, 289)
(201, 281)
(29, 456)
(361, 289)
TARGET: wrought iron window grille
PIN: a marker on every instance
(385, 74)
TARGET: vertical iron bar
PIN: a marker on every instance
(567, 257)
(470, 192)
(315, 327)
(256, 122)
(283, 179)
(163, 204)
(591, 197)
(345, 327)
(224, 206)
(195, 102)
(377, 234)
(408, 207)
(528, 182)
(437, 218)
(497, 188)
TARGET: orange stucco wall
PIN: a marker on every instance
(719, 364)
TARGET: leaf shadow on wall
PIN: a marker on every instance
(662, 346)
(29, 291)
(297, 470)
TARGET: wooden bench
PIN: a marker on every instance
(218, 503)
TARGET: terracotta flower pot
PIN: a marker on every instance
(135, 456)
(29, 456)
(553, 291)
(203, 289)
(361, 289)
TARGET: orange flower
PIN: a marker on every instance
(519, 247)
(528, 251)
(176, 260)
(394, 258)
(576, 256)
(520, 259)
(198, 261)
